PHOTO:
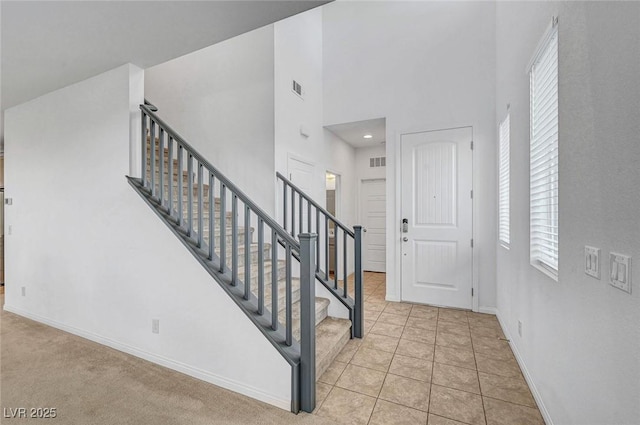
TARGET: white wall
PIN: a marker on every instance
(220, 99)
(96, 261)
(363, 170)
(340, 160)
(298, 55)
(423, 66)
(581, 337)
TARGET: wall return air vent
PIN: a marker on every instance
(380, 161)
(297, 88)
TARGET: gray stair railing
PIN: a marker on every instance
(214, 219)
(296, 204)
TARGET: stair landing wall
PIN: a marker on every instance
(95, 261)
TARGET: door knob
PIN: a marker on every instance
(405, 239)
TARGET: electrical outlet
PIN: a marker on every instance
(520, 328)
(24, 291)
(155, 326)
(592, 261)
(620, 271)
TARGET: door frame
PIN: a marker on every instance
(360, 211)
(396, 225)
(338, 191)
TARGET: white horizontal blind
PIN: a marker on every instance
(544, 156)
(503, 182)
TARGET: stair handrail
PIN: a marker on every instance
(222, 178)
(355, 305)
(301, 356)
(150, 105)
(322, 210)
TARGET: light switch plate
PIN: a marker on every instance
(592, 261)
(620, 271)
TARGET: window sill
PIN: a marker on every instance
(552, 273)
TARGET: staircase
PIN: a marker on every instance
(267, 272)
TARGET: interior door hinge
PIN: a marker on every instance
(472, 194)
(471, 243)
(472, 292)
(472, 145)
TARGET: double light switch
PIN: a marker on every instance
(619, 267)
(592, 261)
(620, 271)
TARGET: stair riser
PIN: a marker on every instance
(267, 275)
(321, 314)
(166, 164)
(295, 293)
(332, 333)
(282, 297)
(228, 240)
(322, 364)
(185, 189)
(205, 213)
(254, 254)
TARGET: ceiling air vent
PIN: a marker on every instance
(380, 161)
(297, 88)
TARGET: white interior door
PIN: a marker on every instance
(373, 213)
(301, 174)
(437, 204)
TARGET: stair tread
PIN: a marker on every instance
(332, 334)
(321, 303)
(282, 290)
(254, 268)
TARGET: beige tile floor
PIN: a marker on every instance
(419, 364)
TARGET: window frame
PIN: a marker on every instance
(543, 155)
(504, 181)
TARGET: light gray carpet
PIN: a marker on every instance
(92, 384)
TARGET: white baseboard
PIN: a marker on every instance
(186, 369)
(488, 310)
(527, 376)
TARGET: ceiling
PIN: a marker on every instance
(47, 45)
(353, 132)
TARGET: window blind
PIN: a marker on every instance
(543, 155)
(503, 182)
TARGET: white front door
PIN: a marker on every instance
(437, 205)
(373, 213)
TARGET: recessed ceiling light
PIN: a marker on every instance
(368, 136)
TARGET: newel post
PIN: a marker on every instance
(357, 282)
(307, 322)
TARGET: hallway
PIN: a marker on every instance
(420, 363)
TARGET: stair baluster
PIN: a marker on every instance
(326, 220)
(222, 242)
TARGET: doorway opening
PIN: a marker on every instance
(368, 139)
(332, 193)
(374, 219)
